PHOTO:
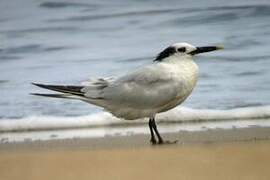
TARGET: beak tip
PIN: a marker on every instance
(220, 47)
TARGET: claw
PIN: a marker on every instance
(153, 141)
(167, 142)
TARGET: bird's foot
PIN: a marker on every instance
(153, 141)
(164, 142)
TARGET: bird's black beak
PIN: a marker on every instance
(204, 49)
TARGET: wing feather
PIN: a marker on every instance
(145, 88)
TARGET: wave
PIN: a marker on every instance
(104, 119)
(221, 13)
(54, 5)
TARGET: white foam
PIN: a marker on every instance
(188, 114)
(104, 119)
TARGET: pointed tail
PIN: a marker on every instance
(67, 90)
(54, 95)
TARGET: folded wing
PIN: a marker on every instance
(145, 88)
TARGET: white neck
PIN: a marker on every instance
(176, 59)
(183, 66)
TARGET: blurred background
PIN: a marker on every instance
(66, 42)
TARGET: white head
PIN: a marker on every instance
(183, 49)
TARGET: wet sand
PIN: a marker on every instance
(218, 154)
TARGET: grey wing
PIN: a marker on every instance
(145, 88)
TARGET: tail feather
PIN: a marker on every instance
(74, 90)
(53, 95)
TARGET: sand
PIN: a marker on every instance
(220, 154)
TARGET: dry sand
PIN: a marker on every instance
(236, 156)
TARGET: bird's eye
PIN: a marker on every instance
(182, 49)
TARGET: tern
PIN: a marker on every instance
(145, 92)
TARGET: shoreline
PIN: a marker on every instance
(212, 136)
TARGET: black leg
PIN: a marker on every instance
(153, 139)
(154, 126)
(154, 130)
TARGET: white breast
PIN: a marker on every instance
(185, 71)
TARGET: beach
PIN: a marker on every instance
(223, 127)
(214, 154)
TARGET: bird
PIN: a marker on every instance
(143, 93)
